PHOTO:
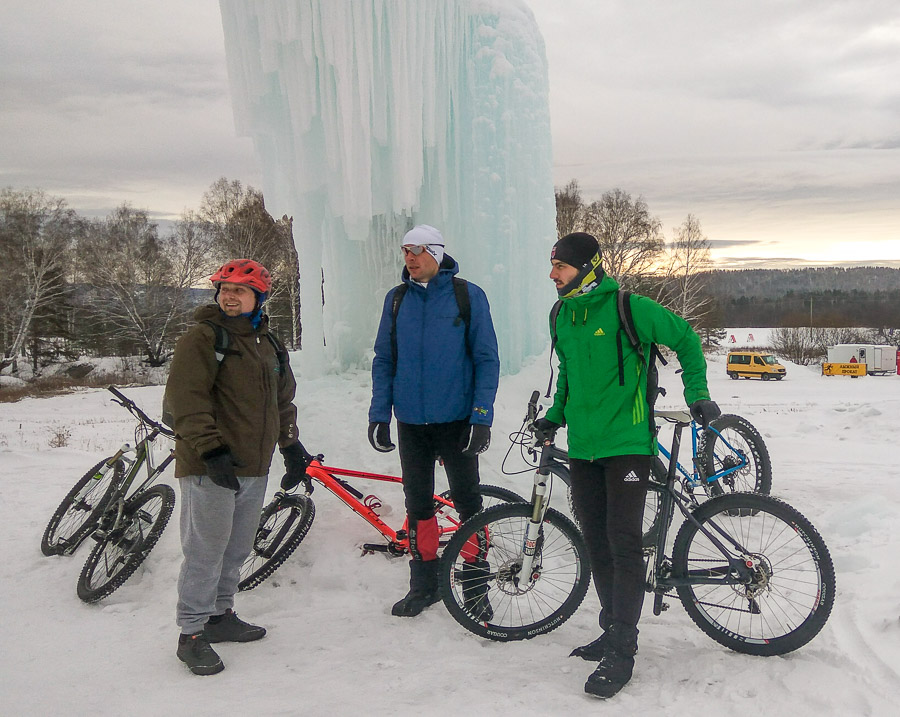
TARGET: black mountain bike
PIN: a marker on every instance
(124, 514)
(750, 570)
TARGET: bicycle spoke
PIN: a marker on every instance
(791, 590)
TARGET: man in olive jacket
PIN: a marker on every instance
(229, 413)
(601, 396)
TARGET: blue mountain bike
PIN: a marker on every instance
(727, 457)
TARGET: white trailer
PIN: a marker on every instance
(878, 358)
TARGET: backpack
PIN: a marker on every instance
(222, 340)
(461, 291)
(626, 326)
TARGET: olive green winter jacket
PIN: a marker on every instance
(244, 402)
(603, 417)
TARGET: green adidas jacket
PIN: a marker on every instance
(604, 418)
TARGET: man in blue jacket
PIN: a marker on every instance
(436, 366)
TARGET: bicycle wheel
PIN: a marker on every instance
(124, 547)
(736, 441)
(77, 515)
(284, 522)
(652, 503)
(560, 576)
(792, 592)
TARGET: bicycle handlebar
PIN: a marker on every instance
(138, 413)
(532, 406)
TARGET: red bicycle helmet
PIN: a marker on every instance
(244, 271)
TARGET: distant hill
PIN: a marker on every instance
(821, 296)
(778, 282)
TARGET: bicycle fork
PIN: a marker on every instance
(531, 543)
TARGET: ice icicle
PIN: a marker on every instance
(371, 116)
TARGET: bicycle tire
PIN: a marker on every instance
(518, 613)
(77, 516)
(284, 523)
(755, 477)
(652, 503)
(791, 600)
(117, 555)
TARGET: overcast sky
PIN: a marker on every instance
(775, 122)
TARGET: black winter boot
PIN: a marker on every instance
(423, 589)
(195, 652)
(228, 627)
(474, 578)
(593, 651)
(617, 663)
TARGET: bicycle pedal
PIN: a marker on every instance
(659, 606)
(372, 548)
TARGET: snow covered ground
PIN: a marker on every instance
(333, 647)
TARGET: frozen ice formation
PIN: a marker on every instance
(371, 116)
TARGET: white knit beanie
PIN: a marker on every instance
(429, 237)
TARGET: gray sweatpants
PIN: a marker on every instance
(218, 526)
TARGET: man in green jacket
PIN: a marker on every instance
(229, 413)
(602, 399)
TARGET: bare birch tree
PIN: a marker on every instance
(36, 233)
(631, 241)
(687, 290)
(142, 282)
(241, 227)
(569, 207)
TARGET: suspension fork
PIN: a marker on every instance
(539, 505)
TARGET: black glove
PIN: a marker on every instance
(547, 427)
(296, 459)
(475, 439)
(380, 437)
(220, 468)
(704, 411)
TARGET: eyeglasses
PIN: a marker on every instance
(414, 250)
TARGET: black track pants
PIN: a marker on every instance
(419, 448)
(609, 495)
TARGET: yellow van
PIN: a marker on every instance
(754, 363)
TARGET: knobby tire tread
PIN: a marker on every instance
(741, 426)
(494, 630)
(50, 541)
(302, 513)
(136, 554)
(786, 539)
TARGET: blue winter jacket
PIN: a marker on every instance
(437, 379)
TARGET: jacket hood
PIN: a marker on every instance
(447, 270)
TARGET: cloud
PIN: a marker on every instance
(775, 123)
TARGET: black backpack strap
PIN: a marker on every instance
(626, 319)
(222, 341)
(461, 290)
(554, 314)
(280, 350)
(396, 299)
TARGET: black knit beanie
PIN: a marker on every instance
(576, 249)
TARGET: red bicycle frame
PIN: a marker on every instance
(398, 540)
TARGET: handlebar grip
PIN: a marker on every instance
(117, 393)
(532, 405)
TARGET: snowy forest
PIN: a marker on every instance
(678, 272)
(122, 286)
(118, 285)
